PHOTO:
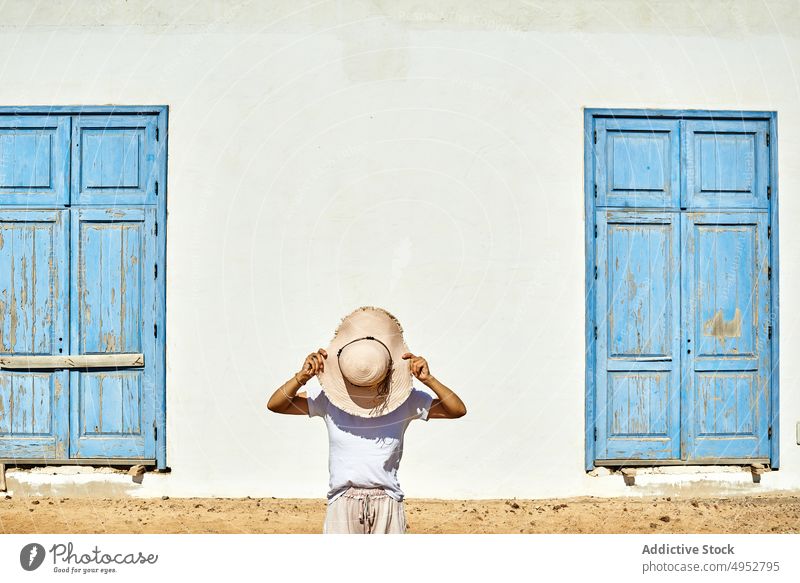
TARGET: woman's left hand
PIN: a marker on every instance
(419, 367)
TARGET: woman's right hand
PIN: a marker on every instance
(314, 364)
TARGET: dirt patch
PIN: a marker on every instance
(752, 514)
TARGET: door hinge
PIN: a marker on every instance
(155, 271)
(595, 190)
(769, 272)
(156, 134)
(156, 229)
(769, 232)
(155, 330)
(595, 136)
(768, 138)
(155, 432)
(595, 433)
(595, 272)
(595, 332)
(769, 432)
(769, 192)
(595, 231)
(156, 187)
(769, 332)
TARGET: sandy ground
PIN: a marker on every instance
(754, 514)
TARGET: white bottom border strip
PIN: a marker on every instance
(400, 557)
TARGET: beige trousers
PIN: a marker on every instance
(365, 511)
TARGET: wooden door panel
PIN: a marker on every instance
(33, 322)
(638, 163)
(113, 312)
(114, 160)
(34, 160)
(110, 285)
(638, 378)
(727, 346)
(727, 164)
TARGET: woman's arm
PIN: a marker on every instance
(448, 405)
(286, 399)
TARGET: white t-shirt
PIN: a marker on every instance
(365, 452)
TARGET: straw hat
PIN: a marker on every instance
(367, 348)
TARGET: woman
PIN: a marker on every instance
(366, 397)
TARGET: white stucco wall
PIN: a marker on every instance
(326, 155)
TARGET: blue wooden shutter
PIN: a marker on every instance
(114, 160)
(113, 311)
(34, 160)
(33, 321)
(727, 164)
(79, 196)
(638, 358)
(637, 163)
(727, 348)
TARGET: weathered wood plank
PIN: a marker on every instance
(72, 361)
(57, 461)
(42, 416)
(131, 404)
(6, 402)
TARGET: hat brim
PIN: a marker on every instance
(376, 322)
